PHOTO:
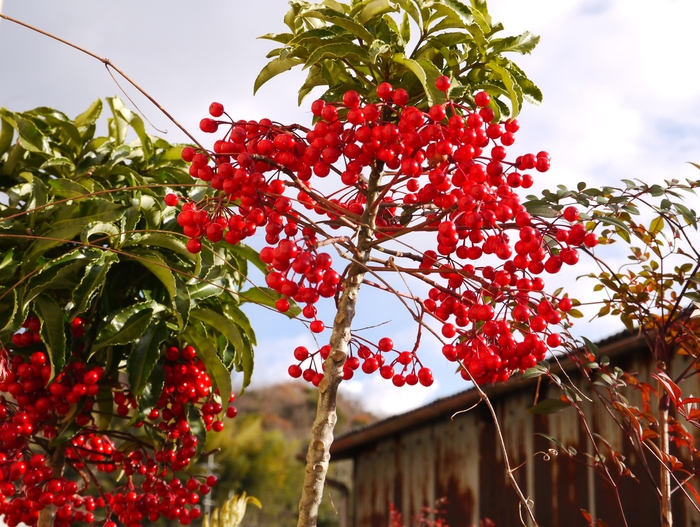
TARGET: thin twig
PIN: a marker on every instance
(108, 64)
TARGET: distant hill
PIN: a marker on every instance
(261, 451)
(291, 408)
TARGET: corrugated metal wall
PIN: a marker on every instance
(460, 460)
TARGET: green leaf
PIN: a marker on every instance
(514, 91)
(126, 325)
(274, 68)
(344, 21)
(241, 320)
(373, 8)
(337, 52)
(144, 355)
(535, 371)
(657, 225)
(549, 406)
(182, 303)
(92, 282)
(58, 162)
(105, 407)
(8, 265)
(628, 321)
(30, 137)
(610, 220)
(66, 227)
(110, 231)
(221, 324)
(89, 116)
(409, 6)
(54, 270)
(590, 346)
(165, 241)
(52, 331)
(118, 124)
(216, 369)
(66, 188)
(282, 38)
(9, 311)
(426, 72)
(540, 211)
(155, 263)
(152, 391)
(197, 428)
(7, 133)
(267, 297)
(152, 212)
(523, 43)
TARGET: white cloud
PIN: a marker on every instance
(381, 397)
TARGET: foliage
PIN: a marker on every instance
(95, 276)
(231, 512)
(359, 45)
(655, 294)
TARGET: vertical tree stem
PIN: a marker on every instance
(56, 464)
(664, 475)
(318, 455)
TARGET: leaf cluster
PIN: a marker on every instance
(409, 43)
(84, 232)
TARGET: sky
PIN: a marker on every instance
(621, 100)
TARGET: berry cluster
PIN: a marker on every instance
(34, 409)
(445, 172)
(405, 368)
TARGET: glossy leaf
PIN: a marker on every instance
(274, 68)
(92, 282)
(221, 324)
(52, 331)
(125, 326)
(144, 355)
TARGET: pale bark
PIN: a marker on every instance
(56, 463)
(318, 455)
(664, 476)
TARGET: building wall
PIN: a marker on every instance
(459, 459)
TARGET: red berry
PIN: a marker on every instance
(384, 91)
(351, 99)
(570, 214)
(208, 125)
(482, 99)
(591, 239)
(442, 83)
(216, 109)
(77, 327)
(565, 304)
(400, 97)
(317, 107)
(385, 344)
(194, 245)
(171, 200)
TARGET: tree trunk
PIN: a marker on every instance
(664, 476)
(318, 455)
(56, 464)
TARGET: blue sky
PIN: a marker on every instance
(620, 81)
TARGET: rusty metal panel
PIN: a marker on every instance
(461, 460)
